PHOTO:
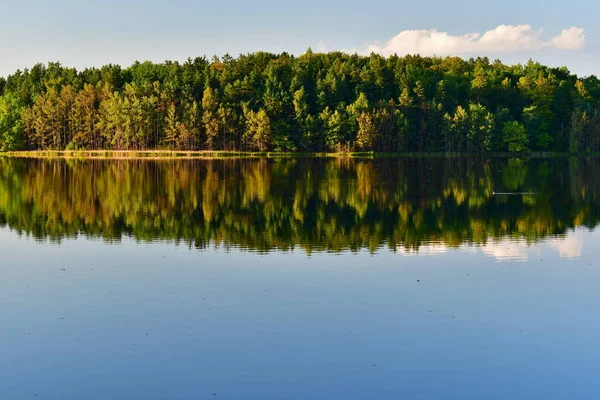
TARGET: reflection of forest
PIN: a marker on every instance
(315, 204)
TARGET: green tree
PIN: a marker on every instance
(515, 137)
(11, 129)
(210, 118)
(258, 130)
(172, 127)
(481, 126)
(314, 102)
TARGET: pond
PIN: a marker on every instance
(416, 278)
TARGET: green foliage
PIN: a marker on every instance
(582, 135)
(171, 127)
(314, 102)
(258, 130)
(481, 126)
(469, 130)
(515, 137)
(11, 129)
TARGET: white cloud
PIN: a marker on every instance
(570, 246)
(503, 39)
(570, 39)
(432, 249)
(502, 250)
(508, 250)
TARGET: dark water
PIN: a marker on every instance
(300, 279)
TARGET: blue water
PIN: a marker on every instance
(130, 320)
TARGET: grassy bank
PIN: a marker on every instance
(169, 154)
(166, 154)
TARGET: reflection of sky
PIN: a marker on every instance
(570, 245)
(159, 321)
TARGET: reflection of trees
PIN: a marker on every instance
(315, 204)
(514, 174)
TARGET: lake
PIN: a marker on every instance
(399, 278)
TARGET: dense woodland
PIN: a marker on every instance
(313, 102)
(313, 204)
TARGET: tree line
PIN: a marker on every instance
(311, 204)
(314, 102)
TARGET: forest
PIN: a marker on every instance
(309, 204)
(314, 102)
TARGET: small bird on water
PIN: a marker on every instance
(511, 193)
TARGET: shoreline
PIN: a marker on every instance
(211, 155)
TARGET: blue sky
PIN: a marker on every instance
(94, 32)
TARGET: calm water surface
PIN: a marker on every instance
(300, 279)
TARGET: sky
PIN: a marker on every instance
(97, 32)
